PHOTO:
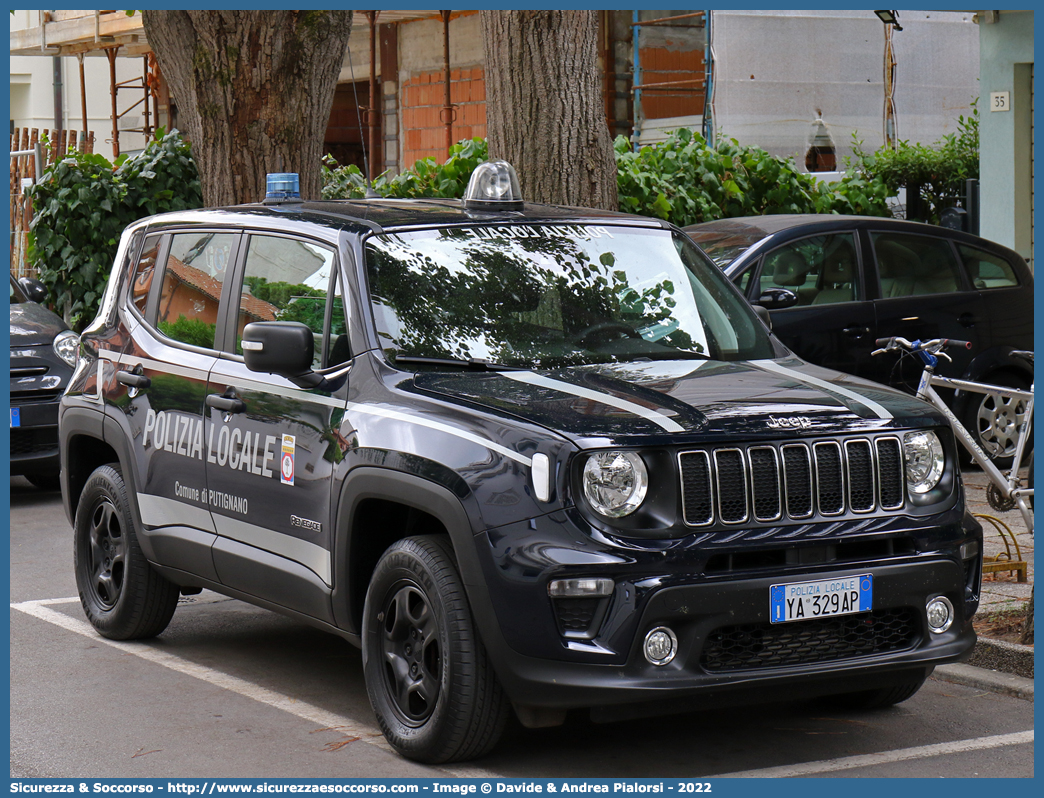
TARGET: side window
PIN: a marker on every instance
(141, 284)
(192, 278)
(912, 265)
(287, 279)
(987, 270)
(821, 270)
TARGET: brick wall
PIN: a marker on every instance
(423, 97)
(662, 65)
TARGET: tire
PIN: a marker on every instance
(45, 481)
(994, 424)
(882, 697)
(436, 698)
(122, 596)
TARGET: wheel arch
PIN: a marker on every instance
(378, 506)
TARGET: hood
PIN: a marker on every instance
(34, 325)
(622, 401)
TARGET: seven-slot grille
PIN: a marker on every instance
(772, 482)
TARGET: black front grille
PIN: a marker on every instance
(860, 476)
(732, 486)
(696, 486)
(829, 478)
(890, 456)
(33, 441)
(763, 483)
(764, 645)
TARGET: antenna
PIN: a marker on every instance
(370, 193)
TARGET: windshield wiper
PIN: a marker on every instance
(471, 364)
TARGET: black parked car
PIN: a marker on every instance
(528, 458)
(43, 353)
(835, 284)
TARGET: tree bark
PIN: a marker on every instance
(1027, 623)
(544, 111)
(254, 91)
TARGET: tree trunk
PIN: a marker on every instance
(254, 91)
(544, 110)
(1027, 623)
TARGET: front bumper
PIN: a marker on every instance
(726, 644)
(34, 440)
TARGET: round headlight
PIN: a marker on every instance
(67, 346)
(615, 483)
(924, 460)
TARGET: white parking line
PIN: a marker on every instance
(883, 757)
(324, 719)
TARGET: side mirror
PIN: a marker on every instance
(776, 299)
(763, 314)
(34, 290)
(285, 348)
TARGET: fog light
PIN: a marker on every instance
(661, 644)
(580, 588)
(940, 614)
(969, 550)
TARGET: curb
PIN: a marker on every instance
(1000, 655)
(982, 679)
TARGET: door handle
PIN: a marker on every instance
(968, 319)
(133, 379)
(227, 402)
(856, 331)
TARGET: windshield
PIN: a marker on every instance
(530, 295)
(724, 243)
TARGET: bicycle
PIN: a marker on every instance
(1004, 492)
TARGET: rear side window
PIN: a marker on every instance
(141, 285)
(192, 281)
(913, 265)
(987, 270)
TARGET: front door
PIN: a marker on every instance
(832, 323)
(273, 447)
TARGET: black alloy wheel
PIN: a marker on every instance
(429, 679)
(411, 653)
(106, 553)
(123, 597)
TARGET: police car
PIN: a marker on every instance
(528, 458)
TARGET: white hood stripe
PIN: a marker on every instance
(800, 376)
(657, 418)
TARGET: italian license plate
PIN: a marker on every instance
(800, 601)
(16, 417)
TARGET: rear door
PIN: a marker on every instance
(273, 447)
(923, 295)
(160, 383)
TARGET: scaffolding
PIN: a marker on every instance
(700, 20)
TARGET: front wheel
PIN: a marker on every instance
(902, 688)
(428, 676)
(122, 596)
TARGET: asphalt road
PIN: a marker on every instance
(233, 691)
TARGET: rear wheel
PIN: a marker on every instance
(429, 679)
(122, 596)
